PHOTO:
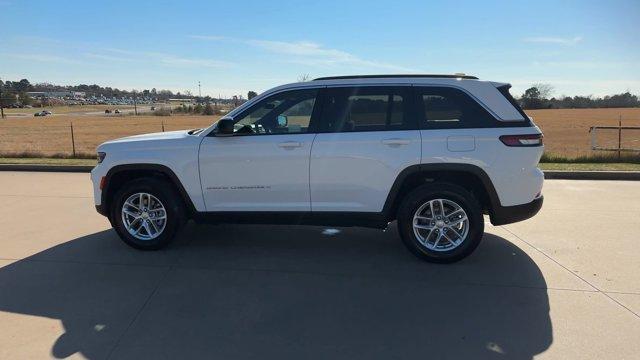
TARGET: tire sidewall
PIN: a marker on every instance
(162, 192)
(456, 194)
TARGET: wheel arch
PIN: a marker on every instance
(121, 174)
(471, 177)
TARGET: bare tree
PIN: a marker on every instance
(304, 78)
(545, 90)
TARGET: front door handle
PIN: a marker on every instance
(396, 142)
(290, 144)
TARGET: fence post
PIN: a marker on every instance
(1, 102)
(162, 125)
(619, 136)
(73, 141)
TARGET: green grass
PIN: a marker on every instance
(39, 155)
(590, 166)
(609, 157)
(47, 161)
(610, 161)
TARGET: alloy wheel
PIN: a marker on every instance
(440, 225)
(144, 216)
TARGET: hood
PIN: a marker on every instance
(153, 136)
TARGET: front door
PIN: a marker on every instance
(264, 166)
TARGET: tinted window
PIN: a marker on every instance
(284, 113)
(451, 108)
(504, 90)
(365, 109)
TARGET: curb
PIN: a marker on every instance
(549, 174)
(592, 175)
(46, 168)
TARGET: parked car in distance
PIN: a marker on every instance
(41, 113)
(107, 111)
(433, 152)
(117, 111)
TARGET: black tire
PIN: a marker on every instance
(419, 196)
(167, 195)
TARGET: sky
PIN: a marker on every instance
(231, 47)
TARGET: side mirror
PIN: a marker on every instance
(282, 120)
(225, 127)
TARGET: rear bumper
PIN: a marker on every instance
(509, 214)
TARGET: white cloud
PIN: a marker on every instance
(177, 61)
(162, 58)
(554, 40)
(105, 57)
(584, 64)
(207, 37)
(310, 53)
(46, 58)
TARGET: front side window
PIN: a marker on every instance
(365, 109)
(445, 108)
(285, 113)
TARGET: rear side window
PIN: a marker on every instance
(504, 90)
(365, 109)
(447, 108)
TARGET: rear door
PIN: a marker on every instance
(367, 135)
(455, 127)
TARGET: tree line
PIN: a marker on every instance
(539, 96)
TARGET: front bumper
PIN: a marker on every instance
(101, 209)
(96, 175)
(509, 214)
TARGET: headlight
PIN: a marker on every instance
(101, 156)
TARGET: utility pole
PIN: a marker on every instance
(199, 92)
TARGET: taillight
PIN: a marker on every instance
(522, 140)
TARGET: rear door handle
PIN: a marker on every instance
(396, 142)
(290, 144)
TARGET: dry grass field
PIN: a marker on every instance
(52, 135)
(566, 130)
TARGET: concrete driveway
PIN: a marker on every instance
(564, 285)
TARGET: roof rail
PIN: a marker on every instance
(447, 76)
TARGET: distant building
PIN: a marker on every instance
(57, 94)
(181, 101)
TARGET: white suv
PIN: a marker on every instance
(434, 152)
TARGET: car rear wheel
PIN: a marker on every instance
(440, 223)
(146, 213)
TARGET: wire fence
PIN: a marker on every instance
(615, 138)
(76, 140)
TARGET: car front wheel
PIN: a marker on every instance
(146, 213)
